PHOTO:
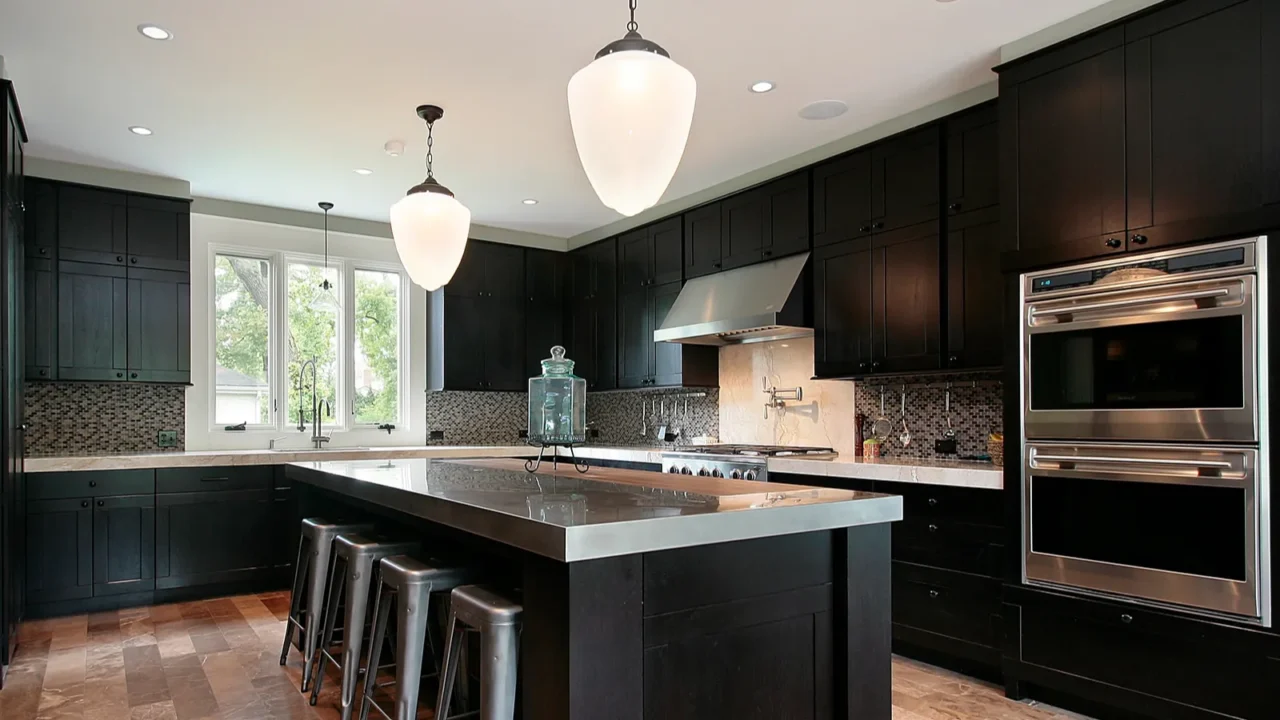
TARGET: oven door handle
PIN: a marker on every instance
(1133, 461)
(1128, 302)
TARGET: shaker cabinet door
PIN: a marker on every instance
(842, 309)
(124, 544)
(92, 321)
(906, 325)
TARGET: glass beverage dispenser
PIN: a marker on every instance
(557, 405)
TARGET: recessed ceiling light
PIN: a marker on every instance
(363, 171)
(139, 130)
(761, 86)
(155, 32)
(823, 110)
(529, 201)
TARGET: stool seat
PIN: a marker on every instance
(478, 606)
(497, 618)
(404, 571)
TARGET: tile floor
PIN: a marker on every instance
(220, 659)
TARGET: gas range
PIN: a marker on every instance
(739, 462)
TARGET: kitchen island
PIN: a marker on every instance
(654, 596)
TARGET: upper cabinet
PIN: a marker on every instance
(651, 255)
(1162, 130)
(702, 251)
(159, 233)
(763, 223)
(842, 199)
(593, 336)
(476, 338)
(904, 180)
(93, 225)
(546, 281)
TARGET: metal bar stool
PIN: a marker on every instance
(356, 560)
(315, 547)
(498, 621)
(411, 582)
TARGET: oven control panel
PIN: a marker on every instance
(736, 469)
(1193, 262)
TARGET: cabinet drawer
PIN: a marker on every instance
(207, 479)
(972, 505)
(949, 544)
(53, 486)
(1195, 662)
(957, 605)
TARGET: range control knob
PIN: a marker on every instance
(750, 475)
(686, 470)
(715, 472)
(703, 472)
(673, 470)
(735, 474)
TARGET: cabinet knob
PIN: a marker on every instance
(933, 502)
(934, 594)
(865, 229)
(119, 258)
(84, 503)
(933, 528)
(768, 253)
(954, 207)
(133, 375)
(862, 366)
(93, 483)
(954, 359)
(1126, 618)
(133, 260)
(44, 251)
(1138, 239)
(875, 365)
(878, 226)
(119, 374)
(43, 373)
(1113, 243)
(102, 503)
(715, 265)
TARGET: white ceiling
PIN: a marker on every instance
(275, 102)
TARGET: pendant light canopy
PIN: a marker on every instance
(631, 110)
(429, 225)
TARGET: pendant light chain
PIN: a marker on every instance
(325, 284)
(632, 26)
(430, 142)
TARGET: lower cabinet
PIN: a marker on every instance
(953, 612)
(59, 549)
(124, 544)
(213, 537)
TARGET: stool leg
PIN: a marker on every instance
(300, 569)
(337, 579)
(359, 576)
(414, 611)
(381, 610)
(452, 651)
(323, 558)
(500, 648)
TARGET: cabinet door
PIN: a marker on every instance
(213, 537)
(468, 280)
(786, 216)
(504, 344)
(1202, 159)
(124, 544)
(595, 343)
(604, 268)
(546, 282)
(1066, 131)
(159, 325)
(635, 260)
(92, 225)
(41, 222)
(743, 228)
(40, 318)
(702, 252)
(973, 160)
(159, 233)
(904, 180)
(667, 238)
(842, 199)
(975, 291)
(906, 326)
(463, 336)
(668, 358)
(504, 271)
(635, 340)
(842, 308)
(59, 550)
(92, 321)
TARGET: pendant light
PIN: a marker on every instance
(429, 225)
(326, 285)
(631, 109)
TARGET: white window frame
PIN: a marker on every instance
(278, 356)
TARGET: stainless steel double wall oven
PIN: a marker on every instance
(1144, 400)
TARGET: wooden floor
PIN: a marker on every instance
(220, 659)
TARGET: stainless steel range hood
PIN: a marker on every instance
(750, 304)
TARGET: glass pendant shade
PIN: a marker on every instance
(631, 112)
(430, 230)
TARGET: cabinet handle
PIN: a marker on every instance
(44, 251)
(119, 258)
(1113, 243)
(862, 366)
(1138, 239)
(93, 483)
(875, 365)
(133, 260)
(864, 229)
(878, 226)
(933, 502)
(43, 373)
(1126, 618)
(715, 265)
(933, 528)
(215, 479)
(934, 594)
(102, 503)
(768, 253)
(133, 375)
(954, 359)
(84, 503)
(119, 374)
(954, 207)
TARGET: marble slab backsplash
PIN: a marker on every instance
(68, 418)
(497, 418)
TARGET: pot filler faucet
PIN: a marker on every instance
(318, 438)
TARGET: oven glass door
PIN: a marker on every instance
(1170, 525)
(1171, 363)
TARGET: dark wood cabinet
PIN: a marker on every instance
(593, 332)
(635, 339)
(905, 183)
(651, 255)
(973, 168)
(41, 219)
(59, 550)
(547, 282)
(905, 307)
(842, 308)
(159, 233)
(40, 309)
(159, 325)
(975, 291)
(476, 332)
(212, 537)
(742, 228)
(92, 321)
(786, 216)
(92, 225)
(702, 234)
(645, 363)
(124, 551)
(842, 199)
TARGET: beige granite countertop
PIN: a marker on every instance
(955, 473)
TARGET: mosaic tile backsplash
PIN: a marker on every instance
(89, 418)
(975, 413)
(485, 418)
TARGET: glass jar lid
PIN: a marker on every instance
(557, 364)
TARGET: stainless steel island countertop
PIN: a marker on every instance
(605, 513)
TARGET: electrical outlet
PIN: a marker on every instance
(167, 438)
(524, 433)
(593, 433)
(436, 435)
(945, 446)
